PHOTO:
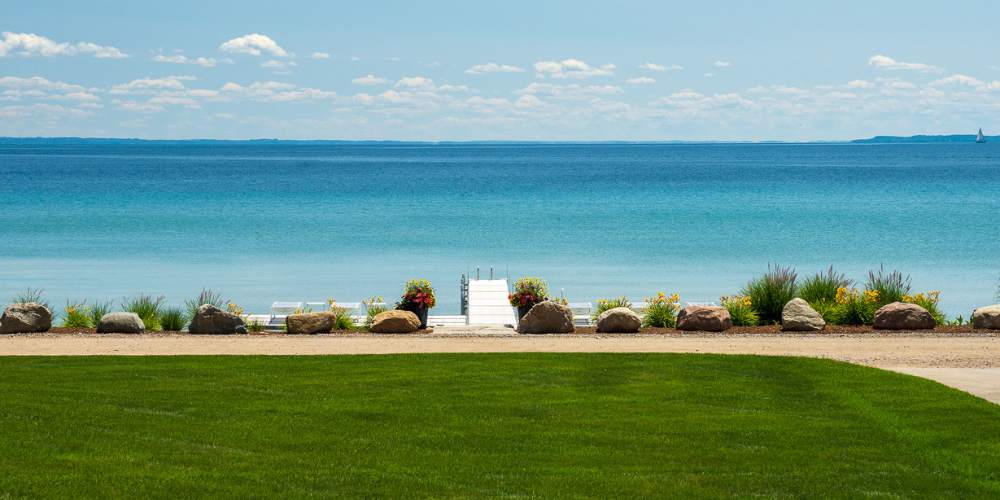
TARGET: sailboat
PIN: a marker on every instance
(980, 138)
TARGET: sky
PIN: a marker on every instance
(513, 70)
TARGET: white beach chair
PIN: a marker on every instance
(581, 312)
(281, 310)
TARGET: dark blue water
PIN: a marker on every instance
(306, 222)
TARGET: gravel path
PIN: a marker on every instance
(969, 362)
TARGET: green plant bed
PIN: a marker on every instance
(487, 425)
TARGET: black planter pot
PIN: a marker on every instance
(419, 310)
(522, 310)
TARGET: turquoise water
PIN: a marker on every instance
(265, 222)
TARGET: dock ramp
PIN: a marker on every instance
(487, 303)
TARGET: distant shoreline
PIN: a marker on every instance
(886, 139)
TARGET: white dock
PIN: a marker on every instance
(488, 303)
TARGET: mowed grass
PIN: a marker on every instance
(485, 425)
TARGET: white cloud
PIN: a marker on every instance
(571, 68)
(481, 69)
(962, 80)
(572, 91)
(415, 82)
(42, 111)
(319, 55)
(145, 85)
(659, 67)
(529, 101)
(722, 64)
(278, 65)
(642, 80)
(885, 62)
(452, 88)
(206, 62)
(37, 82)
(30, 44)
(860, 84)
(253, 44)
(271, 91)
(369, 80)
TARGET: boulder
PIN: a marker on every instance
(799, 316)
(27, 317)
(903, 316)
(704, 318)
(547, 317)
(618, 320)
(395, 321)
(211, 320)
(987, 317)
(120, 322)
(310, 323)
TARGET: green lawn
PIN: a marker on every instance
(473, 425)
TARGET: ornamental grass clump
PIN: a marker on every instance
(740, 309)
(97, 311)
(891, 287)
(769, 293)
(205, 297)
(147, 308)
(173, 319)
(823, 286)
(528, 292)
(342, 319)
(373, 307)
(77, 315)
(928, 301)
(30, 295)
(661, 311)
(608, 304)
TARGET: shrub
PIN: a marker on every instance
(77, 315)
(373, 307)
(205, 297)
(528, 291)
(854, 307)
(97, 311)
(417, 293)
(342, 319)
(233, 308)
(661, 311)
(147, 308)
(770, 292)
(608, 304)
(255, 326)
(928, 301)
(891, 287)
(823, 286)
(173, 319)
(741, 310)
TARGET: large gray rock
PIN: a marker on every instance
(987, 317)
(210, 320)
(799, 316)
(903, 316)
(395, 321)
(618, 320)
(704, 318)
(120, 322)
(547, 317)
(310, 323)
(27, 317)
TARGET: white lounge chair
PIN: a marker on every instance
(581, 312)
(280, 310)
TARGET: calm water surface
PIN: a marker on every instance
(306, 222)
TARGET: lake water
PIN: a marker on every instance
(265, 222)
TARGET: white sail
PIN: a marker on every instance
(980, 137)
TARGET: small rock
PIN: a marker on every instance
(799, 316)
(310, 323)
(903, 316)
(987, 317)
(27, 317)
(547, 317)
(120, 322)
(618, 320)
(704, 318)
(211, 320)
(395, 321)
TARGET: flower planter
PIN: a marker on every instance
(522, 310)
(420, 310)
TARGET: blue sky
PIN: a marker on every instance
(506, 70)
